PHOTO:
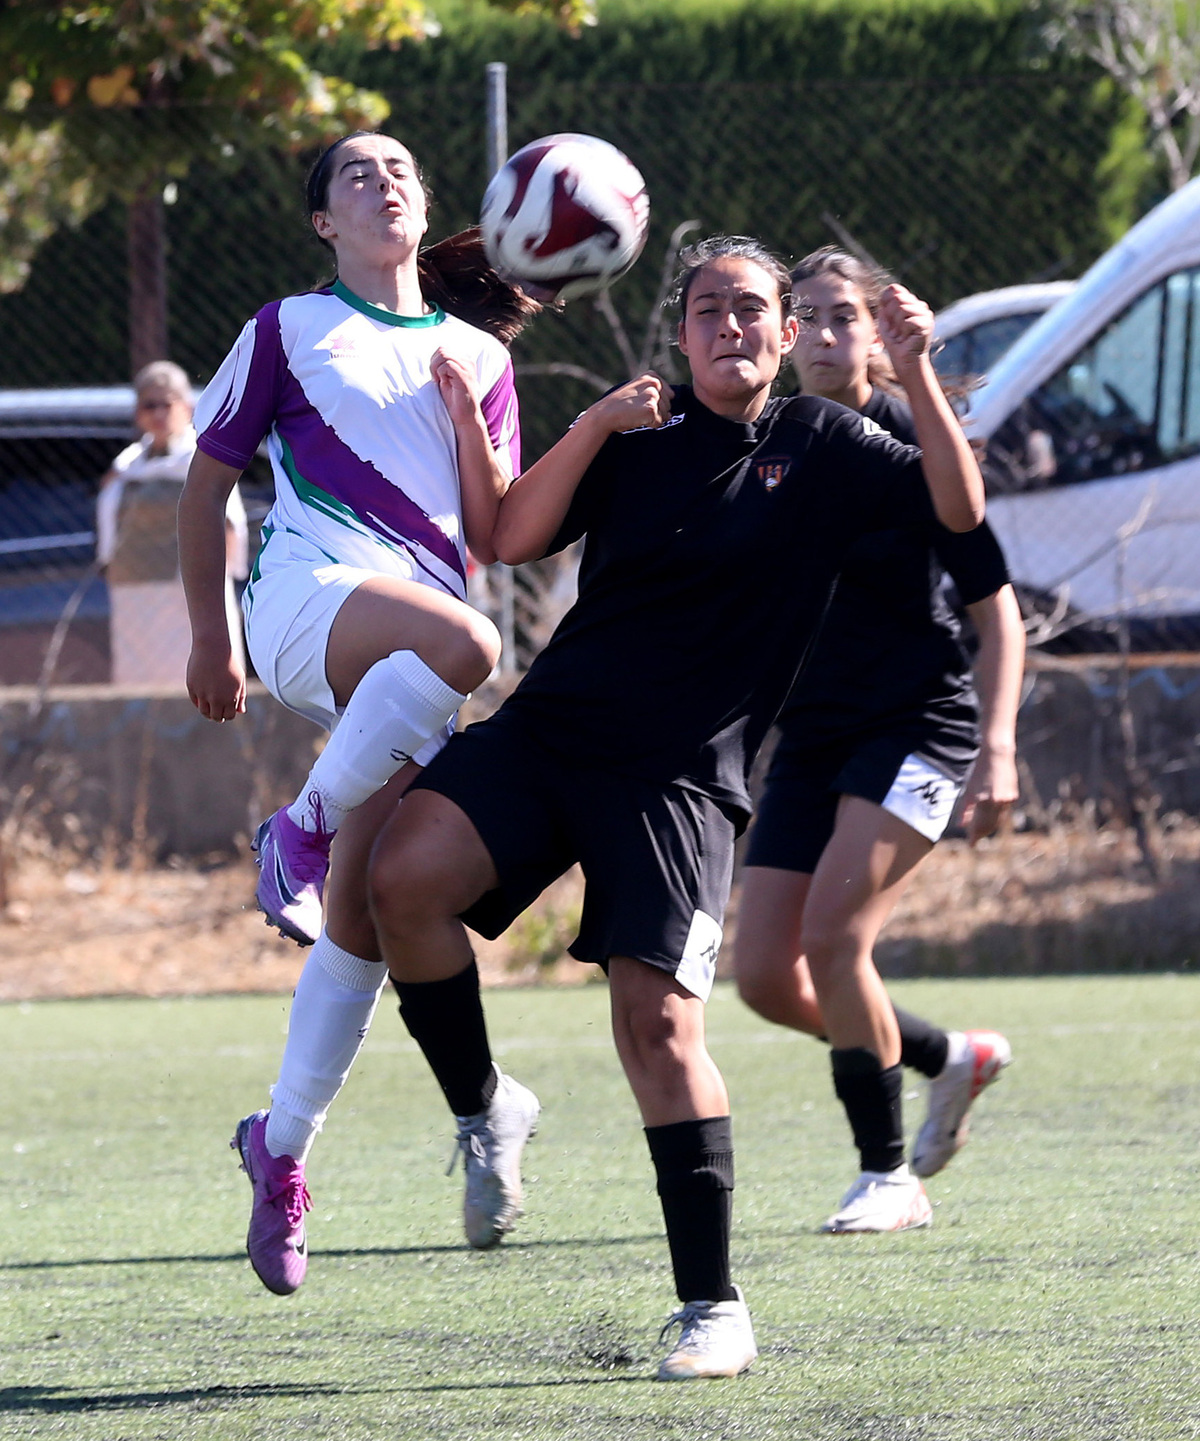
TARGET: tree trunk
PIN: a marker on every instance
(147, 245)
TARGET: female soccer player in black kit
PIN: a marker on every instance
(716, 522)
(876, 745)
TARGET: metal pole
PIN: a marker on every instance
(497, 116)
(503, 585)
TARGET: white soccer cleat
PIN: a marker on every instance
(491, 1144)
(882, 1201)
(975, 1059)
(717, 1339)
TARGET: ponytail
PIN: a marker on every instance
(456, 275)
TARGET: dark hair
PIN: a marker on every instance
(870, 280)
(694, 258)
(454, 273)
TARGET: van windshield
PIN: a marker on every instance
(1129, 401)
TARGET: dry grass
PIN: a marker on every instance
(1073, 899)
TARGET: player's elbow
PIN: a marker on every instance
(962, 515)
(512, 548)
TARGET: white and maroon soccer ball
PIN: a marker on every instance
(565, 216)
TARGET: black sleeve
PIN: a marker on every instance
(881, 480)
(588, 502)
(973, 560)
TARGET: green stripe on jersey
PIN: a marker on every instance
(328, 505)
(382, 313)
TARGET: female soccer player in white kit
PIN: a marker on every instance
(392, 431)
(879, 738)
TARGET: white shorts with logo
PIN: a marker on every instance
(799, 806)
(922, 797)
(294, 594)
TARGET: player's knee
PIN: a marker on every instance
(470, 650)
(407, 889)
(828, 946)
(660, 1038)
(762, 993)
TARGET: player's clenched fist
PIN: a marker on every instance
(643, 404)
(457, 381)
(905, 325)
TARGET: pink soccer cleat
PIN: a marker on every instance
(276, 1242)
(292, 864)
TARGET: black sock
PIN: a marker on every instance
(871, 1097)
(445, 1018)
(922, 1046)
(694, 1164)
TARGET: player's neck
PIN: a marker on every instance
(396, 288)
(745, 408)
(855, 395)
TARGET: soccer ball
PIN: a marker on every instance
(565, 216)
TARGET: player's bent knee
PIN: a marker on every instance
(662, 1038)
(829, 948)
(407, 890)
(762, 994)
(470, 650)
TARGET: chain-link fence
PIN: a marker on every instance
(956, 185)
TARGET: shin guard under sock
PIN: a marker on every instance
(334, 1002)
(397, 707)
(694, 1164)
(445, 1018)
(923, 1047)
(871, 1097)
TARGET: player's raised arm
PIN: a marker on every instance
(482, 479)
(951, 470)
(536, 504)
(216, 681)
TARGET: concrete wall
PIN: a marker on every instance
(140, 769)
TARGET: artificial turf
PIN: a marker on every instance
(1056, 1296)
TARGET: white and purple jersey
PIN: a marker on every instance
(361, 445)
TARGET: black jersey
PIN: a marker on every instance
(890, 653)
(712, 550)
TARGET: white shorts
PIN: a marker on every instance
(295, 592)
(923, 797)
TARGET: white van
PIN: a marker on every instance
(1092, 429)
(974, 332)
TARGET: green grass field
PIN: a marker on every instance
(1057, 1295)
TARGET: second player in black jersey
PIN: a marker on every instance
(716, 522)
(876, 744)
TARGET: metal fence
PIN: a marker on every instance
(956, 185)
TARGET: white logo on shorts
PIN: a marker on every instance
(922, 797)
(698, 964)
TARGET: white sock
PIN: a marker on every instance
(335, 1000)
(397, 707)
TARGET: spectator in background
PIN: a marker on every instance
(136, 535)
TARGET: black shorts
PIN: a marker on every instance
(798, 810)
(657, 860)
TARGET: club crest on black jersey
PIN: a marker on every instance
(771, 469)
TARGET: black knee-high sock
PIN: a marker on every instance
(922, 1047)
(871, 1097)
(694, 1164)
(445, 1018)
